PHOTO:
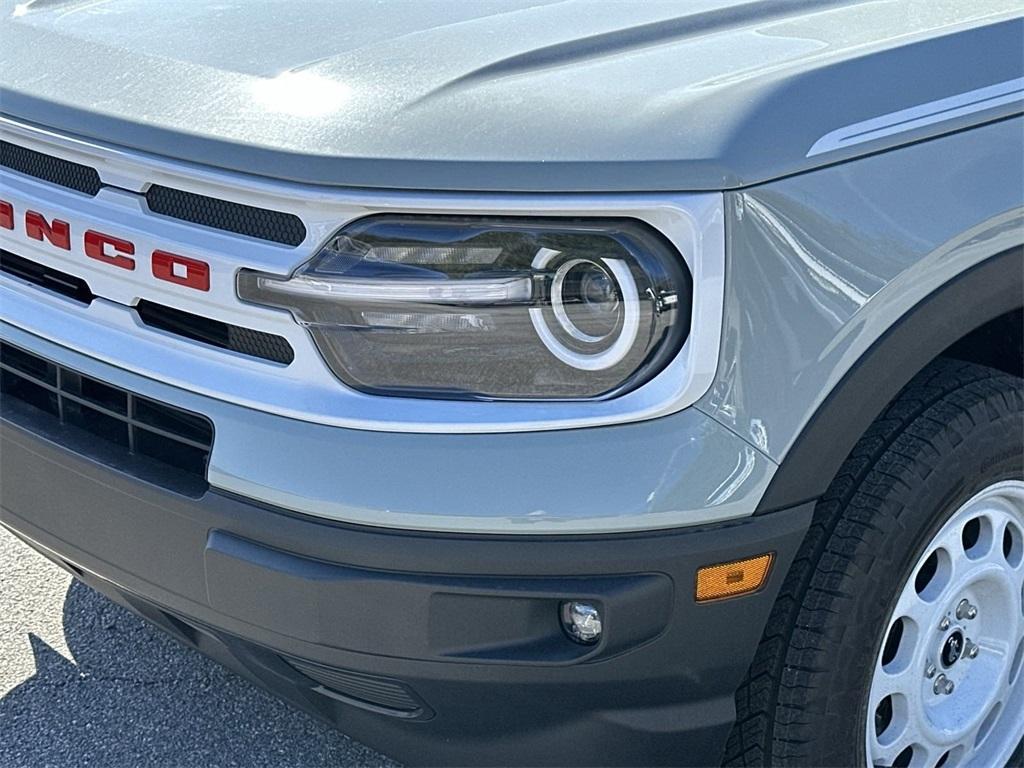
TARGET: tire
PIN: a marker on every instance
(956, 429)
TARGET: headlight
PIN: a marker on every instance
(486, 308)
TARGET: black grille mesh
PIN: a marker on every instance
(244, 340)
(55, 170)
(122, 425)
(241, 219)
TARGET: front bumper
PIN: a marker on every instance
(466, 626)
(436, 647)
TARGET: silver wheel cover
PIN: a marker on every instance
(948, 686)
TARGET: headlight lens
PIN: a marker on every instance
(484, 308)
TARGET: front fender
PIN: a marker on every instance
(843, 283)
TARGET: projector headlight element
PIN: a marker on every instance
(489, 308)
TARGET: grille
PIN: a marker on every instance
(262, 223)
(222, 335)
(46, 277)
(367, 689)
(120, 425)
(241, 219)
(214, 332)
(55, 170)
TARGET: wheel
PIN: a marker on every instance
(944, 682)
(898, 637)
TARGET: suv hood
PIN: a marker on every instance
(509, 95)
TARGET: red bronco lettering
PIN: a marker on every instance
(115, 251)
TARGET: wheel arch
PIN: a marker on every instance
(960, 319)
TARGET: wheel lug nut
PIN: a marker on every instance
(929, 671)
(943, 685)
(944, 624)
(971, 649)
(964, 610)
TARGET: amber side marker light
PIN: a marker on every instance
(740, 577)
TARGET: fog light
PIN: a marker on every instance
(582, 622)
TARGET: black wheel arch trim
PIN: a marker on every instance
(976, 296)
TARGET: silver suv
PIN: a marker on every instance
(536, 383)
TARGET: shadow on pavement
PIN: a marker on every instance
(134, 697)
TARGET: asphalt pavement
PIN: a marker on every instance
(83, 682)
